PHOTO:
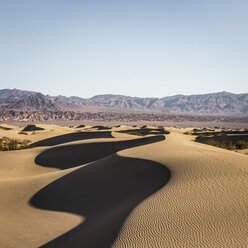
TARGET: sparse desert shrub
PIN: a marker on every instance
(12, 144)
(226, 145)
(1, 144)
(7, 144)
(208, 134)
(25, 143)
(212, 143)
(187, 133)
(138, 134)
(196, 130)
(241, 144)
(200, 136)
(22, 132)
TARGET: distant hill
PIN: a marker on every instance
(35, 101)
(8, 97)
(221, 103)
(124, 102)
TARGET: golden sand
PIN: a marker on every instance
(124, 198)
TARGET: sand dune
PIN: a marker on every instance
(104, 193)
(203, 205)
(70, 137)
(125, 198)
(64, 157)
(48, 132)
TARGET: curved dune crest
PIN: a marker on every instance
(104, 192)
(68, 156)
(60, 139)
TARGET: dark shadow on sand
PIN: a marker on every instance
(145, 131)
(104, 192)
(71, 137)
(102, 127)
(5, 128)
(68, 156)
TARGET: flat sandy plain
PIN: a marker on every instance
(111, 189)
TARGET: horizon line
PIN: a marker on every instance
(111, 94)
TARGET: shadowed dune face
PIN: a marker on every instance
(68, 156)
(5, 128)
(30, 128)
(71, 137)
(104, 192)
(101, 127)
(145, 131)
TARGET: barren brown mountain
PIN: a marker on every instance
(222, 103)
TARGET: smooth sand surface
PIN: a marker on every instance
(121, 191)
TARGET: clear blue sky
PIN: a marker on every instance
(131, 47)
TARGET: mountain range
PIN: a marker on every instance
(221, 103)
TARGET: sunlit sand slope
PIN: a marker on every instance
(104, 193)
(86, 199)
(134, 192)
(205, 203)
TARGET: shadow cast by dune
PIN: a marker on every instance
(72, 137)
(68, 156)
(5, 128)
(104, 192)
(101, 127)
(145, 131)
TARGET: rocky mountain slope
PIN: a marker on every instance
(222, 103)
(35, 101)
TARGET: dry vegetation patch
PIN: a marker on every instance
(7, 144)
(227, 139)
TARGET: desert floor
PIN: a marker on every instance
(90, 188)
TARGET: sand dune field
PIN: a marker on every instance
(92, 187)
